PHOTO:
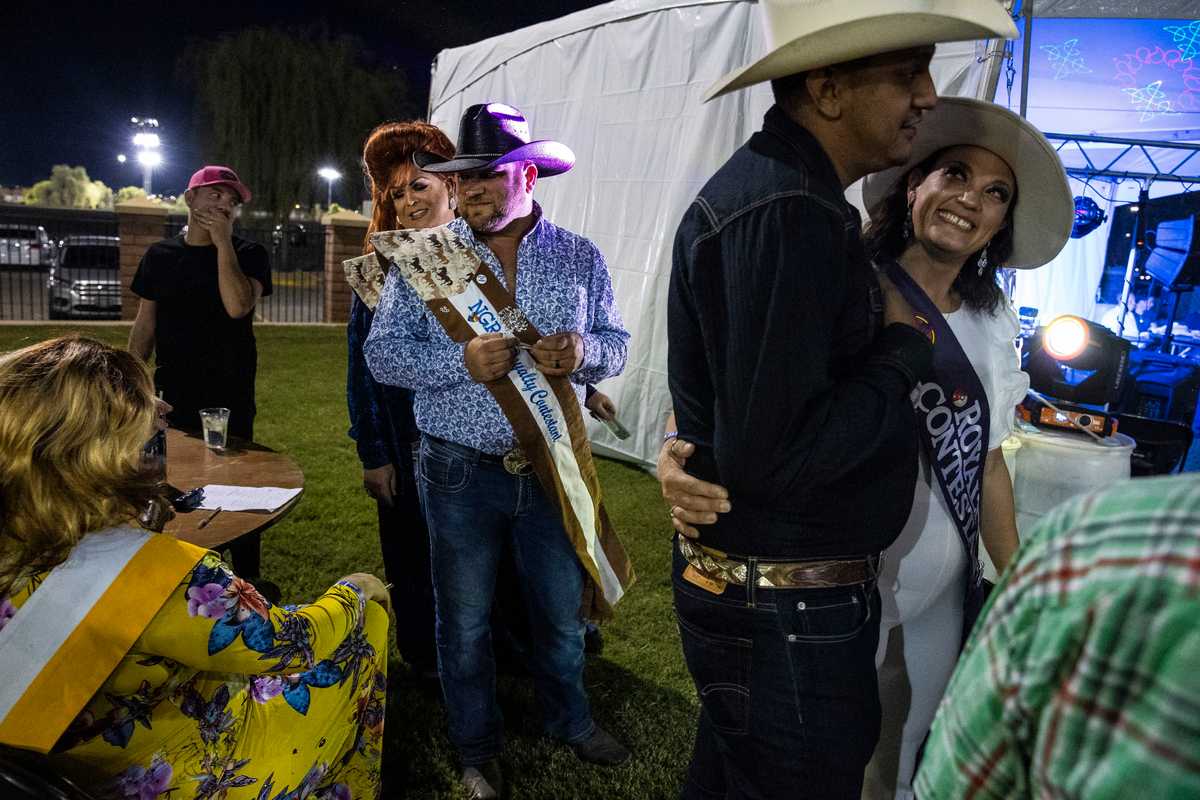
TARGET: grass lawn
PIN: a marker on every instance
(639, 688)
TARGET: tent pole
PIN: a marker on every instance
(995, 63)
(1139, 241)
(991, 80)
(1026, 43)
(433, 65)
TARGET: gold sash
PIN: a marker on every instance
(76, 626)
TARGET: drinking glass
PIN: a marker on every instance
(215, 422)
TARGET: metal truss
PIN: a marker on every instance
(1105, 165)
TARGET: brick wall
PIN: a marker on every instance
(140, 223)
(344, 232)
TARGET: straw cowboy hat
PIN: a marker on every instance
(493, 134)
(1044, 211)
(806, 34)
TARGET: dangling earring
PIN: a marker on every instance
(907, 231)
(983, 260)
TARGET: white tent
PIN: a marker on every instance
(621, 84)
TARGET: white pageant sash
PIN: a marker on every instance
(464, 296)
(539, 398)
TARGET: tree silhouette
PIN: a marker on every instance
(69, 187)
(277, 105)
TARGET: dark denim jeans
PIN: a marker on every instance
(786, 679)
(404, 542)
(473, 507)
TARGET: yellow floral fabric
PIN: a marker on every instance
(226, 697)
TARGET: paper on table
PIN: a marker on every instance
(246, 498)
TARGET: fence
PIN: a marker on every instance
(56, 263)
(297, 268)
(64, 264)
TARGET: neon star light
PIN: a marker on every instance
(1187, 38)
(1065, 58)
(1151, 100)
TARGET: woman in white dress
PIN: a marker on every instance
(982, 190)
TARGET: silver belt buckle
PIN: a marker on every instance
(515, 462)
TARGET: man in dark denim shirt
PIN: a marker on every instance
(790, 368)
(803, 416)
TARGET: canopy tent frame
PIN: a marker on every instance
(1111, 170)
(1076, 9)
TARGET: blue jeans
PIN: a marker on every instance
(472, 507)
(789, 705)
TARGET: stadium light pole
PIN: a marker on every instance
(147, 141)
(330, 175)
(149, 159)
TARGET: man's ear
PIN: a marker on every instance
(825, 91)
(530, 174)
(187, 197)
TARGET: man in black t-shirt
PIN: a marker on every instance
(198, 291)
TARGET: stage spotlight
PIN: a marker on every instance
(1079, 345)
(1080, 365)
(1066, 337)
(1088, 217)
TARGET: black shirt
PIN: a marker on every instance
(779, 367)
(204, 357)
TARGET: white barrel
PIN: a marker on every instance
(1052, 468)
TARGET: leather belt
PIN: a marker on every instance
(514, 461)
(717, 566)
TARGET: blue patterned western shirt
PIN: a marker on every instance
(562, 285)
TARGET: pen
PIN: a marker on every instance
(204, 522)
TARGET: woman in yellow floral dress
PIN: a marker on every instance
(203, 689)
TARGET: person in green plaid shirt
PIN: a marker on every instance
(1082, 678)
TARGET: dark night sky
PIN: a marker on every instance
(71, 74)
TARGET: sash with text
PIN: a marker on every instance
(952, 420)
(464, 296)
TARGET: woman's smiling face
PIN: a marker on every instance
(421, 199)
(964, 200)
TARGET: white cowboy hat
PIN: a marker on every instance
(806, 34)
(1044, 213)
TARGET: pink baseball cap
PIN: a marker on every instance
(212, 175)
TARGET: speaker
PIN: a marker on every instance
(1174, 252)
(1165, 390)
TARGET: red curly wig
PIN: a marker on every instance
(389, 147)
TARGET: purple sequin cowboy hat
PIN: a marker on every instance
(492, 134)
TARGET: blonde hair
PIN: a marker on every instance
(74, 414)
